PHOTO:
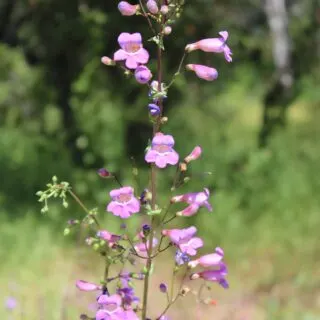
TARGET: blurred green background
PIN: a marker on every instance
(63, 113)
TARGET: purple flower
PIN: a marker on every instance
(11, 303)
(213, 45)
(142, 74)
(127, 9)
(110, 307)
(131, 50)
(128, 296)
(154, 109)
(181, 258)
(161, 152)
(123, 203)
(203, 72)
(184, 239)
(195, 201)
(152, 6)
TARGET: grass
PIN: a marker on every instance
(274, 272)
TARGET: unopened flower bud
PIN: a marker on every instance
(194, 276)
(164, 120)
(183, 166)
(154, 109)
(104, 173)
(152, 6)
(89, 241)
(73, 222)
(87, 286)
(164, 9)
(107, 61)
(184, 291)
(167, 30)
(194, 155)
(127, 9)
(146, 230)
(142, 74)
(203, 72)
(163, 288)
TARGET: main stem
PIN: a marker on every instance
(156, 127)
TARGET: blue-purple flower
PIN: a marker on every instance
(142, 74)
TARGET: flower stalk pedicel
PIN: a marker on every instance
(117, 298)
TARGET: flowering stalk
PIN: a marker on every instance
(120, 248)
(156, 127)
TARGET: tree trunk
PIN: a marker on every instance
(279, 95)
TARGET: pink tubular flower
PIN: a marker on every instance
(152, 6)
(161, 152)
(87, 286)
(127, 9)
(143, 74)
(213, 45)
(184, 239)
(195, 201)
(123, 203)
(208, 260)
(109, 237)
(203, 72)
(194, 155)
(213, 275)
(131, 50)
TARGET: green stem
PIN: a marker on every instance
(156, 128)
(86, 210)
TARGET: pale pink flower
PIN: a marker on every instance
(123, 203)
(195, 201)
(213, 45)
(131, 50)
(142, 248)
(208, 260)
(110, 308)
(161, 152)
(184, 239)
